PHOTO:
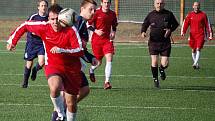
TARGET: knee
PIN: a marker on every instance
(71, 106)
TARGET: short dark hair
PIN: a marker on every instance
(108, 1)
(84, 2)
(39, 1)
(55, 8)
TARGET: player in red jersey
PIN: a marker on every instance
(62, 69)
(198, 22)
(103, 25)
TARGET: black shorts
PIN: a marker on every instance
(84, 81)
(160, 48)
(32, 50)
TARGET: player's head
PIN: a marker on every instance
(42, 6)
(53, 12)
(88, 9)
(159, 5)
(105, 5)
(196, 7)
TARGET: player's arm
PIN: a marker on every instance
(185, 25)
(15, 36)
(208, 28)
(173, 26)
(91, 27)
(145, 26)
(114, 27)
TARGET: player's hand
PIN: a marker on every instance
(211, 36)
(112, 35)
(99, 32)
(143, 35)
(167, 34)
(182, 34)
(11, 47)
(94, 62)
(55, 50)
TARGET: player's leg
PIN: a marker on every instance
(37, 67)
(97, 52)
(71, 102)
(27, 72)
(154, 69)
(84, 90)
(55, 84)
(108, 70)
(108, 50)
(164, 62)
(163, 65)
(200, 43)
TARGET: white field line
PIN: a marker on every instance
(101, 87)
(126, 56)
(103, 106)
(146, 76)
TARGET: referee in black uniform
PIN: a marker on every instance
(162, 23)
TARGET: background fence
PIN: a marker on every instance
(129, 10)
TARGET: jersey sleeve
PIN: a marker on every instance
(91, 23)
(185, 24)
(208, 26)
(174, 23)
(35, 27)
(145, 24)
(115, 22)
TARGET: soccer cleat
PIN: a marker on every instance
(92, 77)
(34, 74)
(61, 118)
(156, 83)
(107, 85)
(197, 67)
(54, 116)
(162, 73)
(25, 84)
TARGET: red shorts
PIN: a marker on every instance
(71, 80)
(102, 47)
(196, 41)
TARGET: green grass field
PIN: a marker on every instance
(186, 94)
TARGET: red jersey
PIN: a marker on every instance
(67, 38)
(104, 21)
(198, 23)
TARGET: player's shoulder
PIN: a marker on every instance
(32, 16)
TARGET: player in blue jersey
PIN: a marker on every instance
(34, 45)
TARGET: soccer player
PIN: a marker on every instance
(198, 22)
(103, 25)
(62, 69)
(87, 11)
(34, 45)
(162, 23)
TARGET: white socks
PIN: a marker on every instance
(92, 68)
(70, 116)
(59, 105)
(197, 57)
(194, 56)
(108, 69)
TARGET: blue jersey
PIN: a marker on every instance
(82, 28)
(32, 37)
(34, 45)
(83, 32)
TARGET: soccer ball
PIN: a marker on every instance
(67, 17)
